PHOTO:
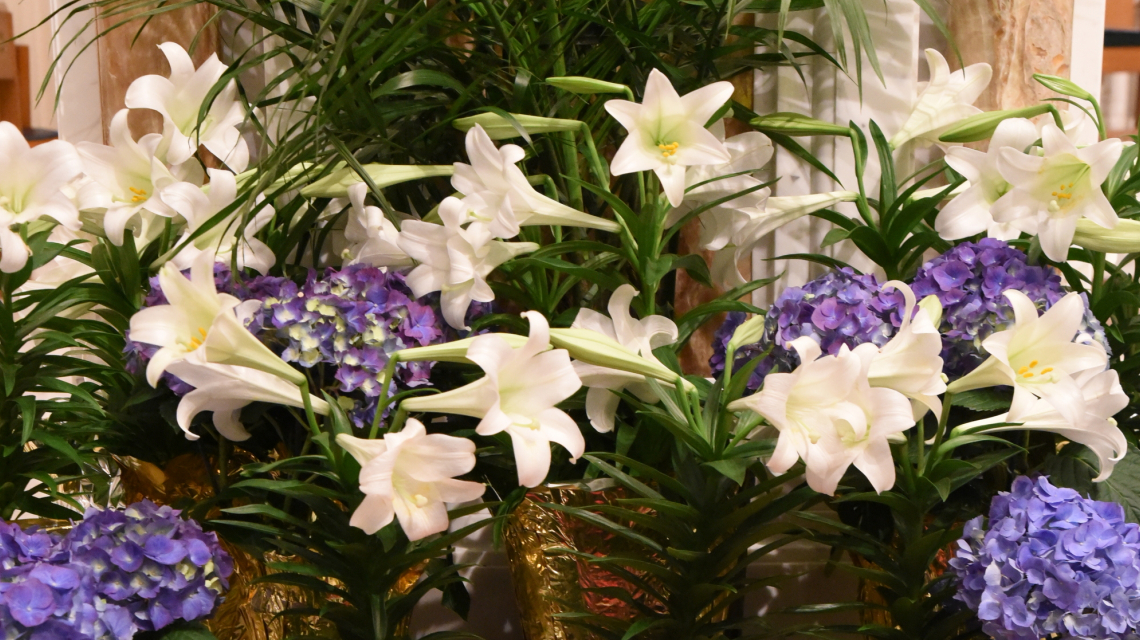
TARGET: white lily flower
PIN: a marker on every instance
(1058, 189)
(1038, 357)
(179, 99)
(128, 179)
(519, 396)
(32, 180)
(639, 336)
(497, 195)
(754, 223)
(372, 238)
(946, 99)
(200, 322)
(968, 214)
(829, 416)
(667, 132)
(1103, 398)
(911, 362)
(455, 261)
(410, 476)
(198, 206)
(225, 389)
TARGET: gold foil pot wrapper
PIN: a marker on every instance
(250, 610)
(549, 581)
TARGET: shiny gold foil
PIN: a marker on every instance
(549, 581)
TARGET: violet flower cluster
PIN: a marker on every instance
(836, 309)
(350, 319)
(1051, 562)
(969, 281)
(114, 574)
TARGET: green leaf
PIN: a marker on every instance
(733, 468)
(1123, 486)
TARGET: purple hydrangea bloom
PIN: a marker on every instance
(969, 281)
(114, 574)
(836, 309)
(1051, 563)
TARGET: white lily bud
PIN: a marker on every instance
(336, 184)
(451, 351)
(747, 333)
(933, 308)
(584, 85)
(1123, 238)
(500, 128)
(598, 349)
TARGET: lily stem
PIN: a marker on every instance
(310, 415)
(943, 423)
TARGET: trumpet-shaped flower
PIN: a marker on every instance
(741, 234)
(968, 214)
(1038, 357)
(1103, 398)
(128, 179)
(455, 261)
(639, 336)
(911, 362)
(667, 132)
(198, 206)
(946, 99)
(31, 183)
(372, 238)
(225, 389)
(829, 416)
(519, 396)
(497, 195)
(410, 476)
(200, 322)
(179, 99)
(1057, 189)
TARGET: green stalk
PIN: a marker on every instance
(943, 423)
(386, 376)
(310, 415)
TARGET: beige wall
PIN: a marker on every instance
(26, 14)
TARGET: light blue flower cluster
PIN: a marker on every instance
(114, 574)
(1051, 562)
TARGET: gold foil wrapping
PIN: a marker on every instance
(548, 580)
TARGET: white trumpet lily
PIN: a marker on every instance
(226, 389)
(519, 396)
(179, 99)
(639, 336)
(31, 184)
(667, 132)
(829, 416)
(911, 362)
(198, 206)
(128, 179)
(200, 322)
(1058, 189)
(497, 195)
(410, 476)
(968, 214)
(372, 238)
(945, 100)
(1103, 398)
(455, 261)
(1038, 358)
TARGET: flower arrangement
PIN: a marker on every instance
(399, 341)
(113, 574)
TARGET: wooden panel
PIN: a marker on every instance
(7, 49)
(1120, 14)
(24, 86)
(122, 57)
(1121, 59)
(1018, 38)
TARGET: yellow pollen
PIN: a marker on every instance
(1027, 375)
(137, 198)
(1022, 370)
(1046, 370)
(141, 192)
(1033, 364)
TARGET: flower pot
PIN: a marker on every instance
(549, 580)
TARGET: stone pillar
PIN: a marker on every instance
(125, 53)
(1018, 38)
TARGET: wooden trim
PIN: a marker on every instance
(1121, 59)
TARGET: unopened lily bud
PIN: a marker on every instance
(1063, 86)
(336, 184)
(933, 308)
(1123, 238)
(451, 351)
(982, 126)
(584, 85)
(745, 334)
(500, 128)
(598, 349)
(794, 124)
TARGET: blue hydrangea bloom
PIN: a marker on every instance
(969, 280)
(836, 309)
(1051, 562)
(114, 574)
